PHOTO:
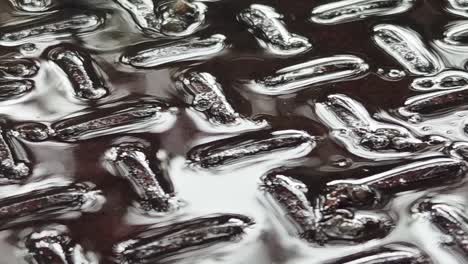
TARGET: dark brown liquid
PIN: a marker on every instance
(233, 190)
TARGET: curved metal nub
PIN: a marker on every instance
(129, 160)
(49, 202)
(269, 30)
(367, 192)
(18, 67)
(81, 71)
(290, 194)
(150, 55)
(33, 5)
(456, 34)
(338, 68)
(53, 244)
(167, 17)
(51, 26)
(446, 80)
(353, 127)
(318, 224)
(347, 194)
(451, 219)
(351, 10)
(14, 167)
(12, 89)
(457, 7)
(436, 102)
(353, 227)
(124, 116)
(180, 17)
(253, 147)
(142, 12)
(387, 254)
(205, 98)
(162, 242)
(203, 93)
(406, 46)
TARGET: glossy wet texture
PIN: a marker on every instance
(223, 131)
